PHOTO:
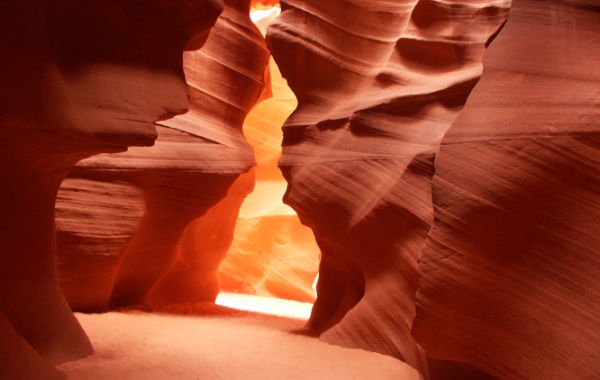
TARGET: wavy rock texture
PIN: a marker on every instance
(509, 274)
(155, 236)
(277, 257)
(272, 253)
(378, 84)
(76, 81)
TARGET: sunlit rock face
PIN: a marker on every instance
(76, 81)
(509, 274)
(264, 4)
(155, 237)
(272, 253)
(378, 84)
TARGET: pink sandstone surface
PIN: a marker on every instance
(76, 81)
(510, 271)
(378, 84)
(462, 241)
(153, 224)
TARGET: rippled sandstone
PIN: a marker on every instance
(139, 227)
(509, 273)
(378, 84)
(76, 81)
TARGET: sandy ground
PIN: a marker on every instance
(215, 342)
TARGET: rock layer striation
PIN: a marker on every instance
(76, 81)
(509, 273)
(159, 240)
(378, 84)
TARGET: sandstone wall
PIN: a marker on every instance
(272, 253)
(461, 241)
(378, 84)
(128, 224)
(509, 273)
(76, 81)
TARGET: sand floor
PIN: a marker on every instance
(203, 341)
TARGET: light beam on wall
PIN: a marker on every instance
(265, 305)
(272, 255)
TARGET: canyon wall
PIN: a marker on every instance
(510, 271)
(76, 81)
(461, 241)
(378, 84)
(506, 256)
(152, 225)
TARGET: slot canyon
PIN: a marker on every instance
(420, 177)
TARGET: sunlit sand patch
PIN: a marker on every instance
(134, 345)
(265, 305)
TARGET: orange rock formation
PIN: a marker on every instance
(510, 272)
(272, 253)
(76, 81)
(461, 241)
(378, 84)
(154, 249)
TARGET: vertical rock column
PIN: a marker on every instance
(378, 84)
(35, 321)
(76, 81)
(240, 54)
(161, 241)
(30, 298)
(510, 272)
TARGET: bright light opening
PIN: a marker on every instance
(265, 305)
(262, 16)
(273, 260)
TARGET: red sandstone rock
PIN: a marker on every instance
(509, 274)
(272, 253)
(196, 159)
(77, 80)
(378, 84)
(509, 271)
(19, 360)
(263, 4)
(203, 245)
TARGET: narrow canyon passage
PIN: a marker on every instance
(298, 189)
(272, 253)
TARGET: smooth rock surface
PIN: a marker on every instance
(151, 248)
(76, 81)
(272, 253)
(378, 84)
(510, 271)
